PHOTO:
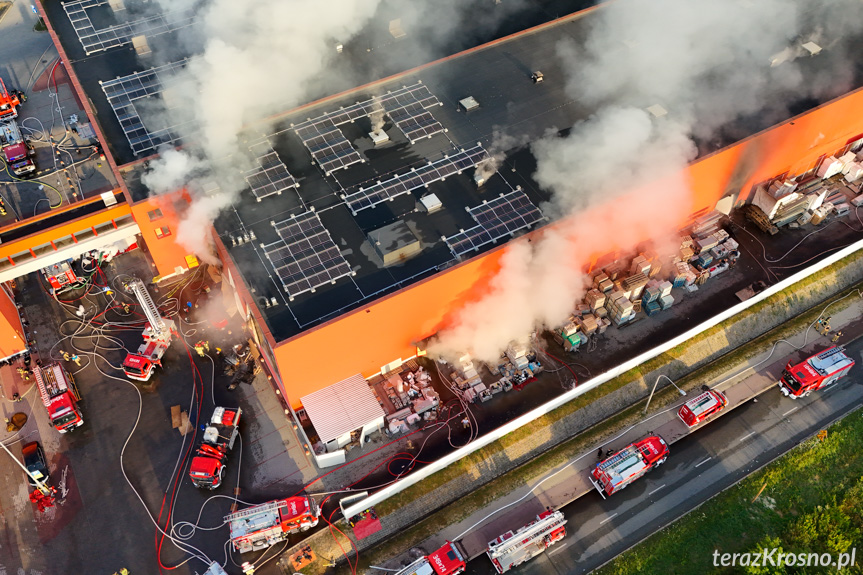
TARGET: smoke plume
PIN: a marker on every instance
(618, 177)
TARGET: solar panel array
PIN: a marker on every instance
(123, 92)
(406, 107)
(496, 218)
(416, 178)
(94, 40)
(306, 257)
(271, 176)
(328, 146)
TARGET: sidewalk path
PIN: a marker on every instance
(570, 481)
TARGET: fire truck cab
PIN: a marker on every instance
(701, 407)
(60, 397)
(263, 525)
(208, 465)
(628, 464)
(447, 560)
(814, 373)
(512, 549)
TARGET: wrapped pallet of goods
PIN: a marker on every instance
(635, 285)
(652, 308)
(600, 312)
(595, 299)
(666, 301)
(604, 325)
(568, 329)
(588, 324)
(640, 265)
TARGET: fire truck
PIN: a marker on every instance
(628, 464)
(263, 525)
(9, 102)
(60, 396)
(701, 407)
(16, 151)
(447, 560)
(157, 336)
(208, 465)
(512, 549)
(815, 372)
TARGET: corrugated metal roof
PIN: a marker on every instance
(342, 407)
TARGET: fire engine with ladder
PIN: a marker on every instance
(814, 373)
(157, 336)
(60, 396)
(512, 549)
(448, 560)
(628, 464)
(264, 525)
(208, 465)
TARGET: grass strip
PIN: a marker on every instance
(809, 502)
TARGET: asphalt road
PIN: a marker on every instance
(700, 466)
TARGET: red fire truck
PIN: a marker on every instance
(263, 525)
(157, 336)
(60, 396)
(17, 153)
(815, 372)
(447, 560)
(208, 465)
(628, 464)
(512, 549)
(701, 407)
(9, 101)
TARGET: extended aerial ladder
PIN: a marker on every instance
(157, 336)
(512, 549)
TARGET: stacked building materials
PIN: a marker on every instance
(595, 299)
(620, 309)
(651, 293)
(517, 354)
(600, 312)
(821, 213)
(640, 265)
(652, 308)
(574, 341)
(603, 283)
(615, 270)
(703, 260)
(466, 375)
(706, 224)
(588, 324)
(604, 324)
(634, 285)
(666, 301)
(829, 167)
(569, 329)
(582, 309)
(853, 171)
(665, 289)
(757, 216)
(792, 210)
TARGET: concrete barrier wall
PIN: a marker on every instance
(694, 356)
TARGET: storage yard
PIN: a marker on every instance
(242, 347)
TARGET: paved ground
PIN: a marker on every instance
(571, 481)
(51, 102)
(101, 526)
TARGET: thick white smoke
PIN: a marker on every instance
(617, 179)
(258, 59)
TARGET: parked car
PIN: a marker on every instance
(35, 462)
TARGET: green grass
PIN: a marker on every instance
(470, 462)
(40, 26)
(810, 503)
(539, 466)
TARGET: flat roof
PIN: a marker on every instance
(497, 76)
(342, 407)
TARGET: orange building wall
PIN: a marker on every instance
(365, 340)
(11, 332)
(167, 254)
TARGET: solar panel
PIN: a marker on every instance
(270, 177)
(415, 122)
(94, 40)
(123, 92)
(496, 218)
(306, 257)
(416, 178)
(328, 146)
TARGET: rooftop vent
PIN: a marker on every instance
(468, 103)
(379, 137)
(657, 111)
(429, 204)
(142, 48)
(395, 243)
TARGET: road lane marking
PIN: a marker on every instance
(657, 489)
(703, 462)
(607, 519)
(747, 436)
(792, 410)
(559, 549)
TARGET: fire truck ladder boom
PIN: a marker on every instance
(521, 538)
(46, 381)
(271, 506)
(612, 461)
(137, 287)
